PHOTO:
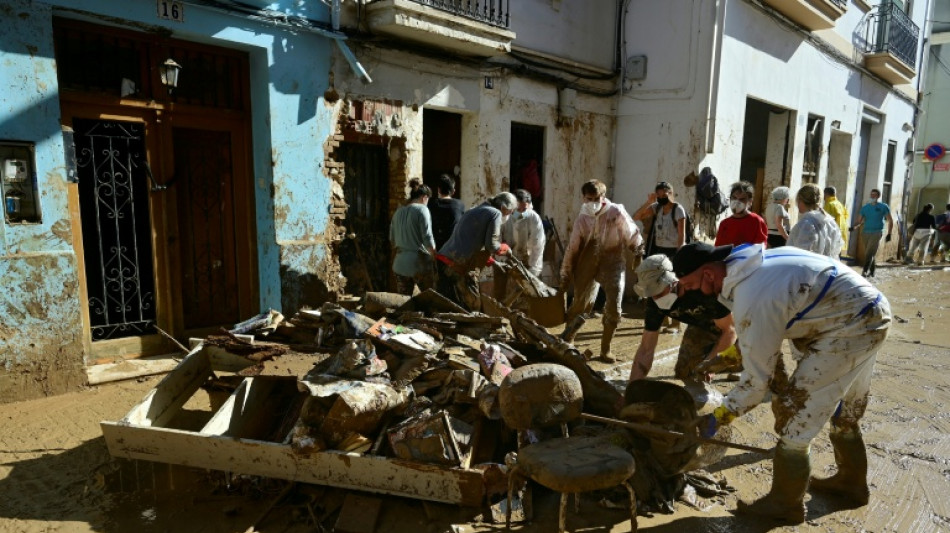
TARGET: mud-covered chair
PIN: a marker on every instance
(548, 395)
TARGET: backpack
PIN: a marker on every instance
(689, 237)
(709, 199)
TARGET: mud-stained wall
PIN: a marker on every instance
(574, 150)
(40, 330)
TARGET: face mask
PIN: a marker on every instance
(504, 218)
(665, 301)
(874, 200)
(737, 206)
(590, 208)
(663, 201)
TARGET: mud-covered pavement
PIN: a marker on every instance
(55, 473)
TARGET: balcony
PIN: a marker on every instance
(468, 27)
(812, 14)
(891, 44)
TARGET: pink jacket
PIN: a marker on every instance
(612, 225)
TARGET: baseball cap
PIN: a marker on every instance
(694, 255)
(654, 274)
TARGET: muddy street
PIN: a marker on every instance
(56, 474)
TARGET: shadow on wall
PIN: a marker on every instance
(299, 289)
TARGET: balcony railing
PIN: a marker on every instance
(494, 12)
(891, 31)
(842, 4)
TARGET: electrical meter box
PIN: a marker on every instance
(18, 183)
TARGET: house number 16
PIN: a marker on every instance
(171, 10)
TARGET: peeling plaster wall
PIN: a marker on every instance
(40, 340)
(41, 348)
(574, 153)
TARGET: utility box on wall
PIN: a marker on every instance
(21, 200)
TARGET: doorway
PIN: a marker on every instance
(365, 253)
(162, 211)
(765, 150)
(441, 147)
(526, 161)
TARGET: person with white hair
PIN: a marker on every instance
(476, 238)
(816, 231)
(595, 258)
(776, 217)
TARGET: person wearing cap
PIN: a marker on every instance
(776, 218)
(524, 233)
(476, 237)
(744, 226)
(815, 230)
(668, 230)
(709, 328)
(595, 257)
(836, 320)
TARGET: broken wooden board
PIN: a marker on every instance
(238, 437)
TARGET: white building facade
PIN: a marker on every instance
(778, 92)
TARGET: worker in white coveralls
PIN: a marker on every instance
(594, 258)
(524, 234)
(836, 320)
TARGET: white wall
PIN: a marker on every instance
(580, 31)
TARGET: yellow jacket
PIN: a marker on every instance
(839, 212)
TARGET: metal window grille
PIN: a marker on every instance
(494, 12)
(890, 30)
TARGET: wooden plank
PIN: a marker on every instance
(275, 460)
(132, 368)
(164, 401)
(252, 409)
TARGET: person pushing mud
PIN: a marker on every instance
(836, 322)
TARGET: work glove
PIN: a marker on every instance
(888, 238)
(725, 360)
(709, 425)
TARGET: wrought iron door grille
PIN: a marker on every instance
(117, 248)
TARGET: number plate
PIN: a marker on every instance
(171, 10)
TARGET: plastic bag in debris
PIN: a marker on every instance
(357, 359)
(494, 362)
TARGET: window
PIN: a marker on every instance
(889, 173)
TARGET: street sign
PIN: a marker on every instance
(941, 167)
(934, 152)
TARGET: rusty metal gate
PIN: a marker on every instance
(366, 190)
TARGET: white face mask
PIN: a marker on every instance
(737, 206)
(591, 208)
(666, 301)
(873, 200)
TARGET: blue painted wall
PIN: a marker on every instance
(40, 327)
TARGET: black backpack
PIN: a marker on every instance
(709, 199)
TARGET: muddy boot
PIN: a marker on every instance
(786, 501)
(571, 329)
(851, 480)
(605, 340)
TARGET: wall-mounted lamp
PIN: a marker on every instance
(170, 70)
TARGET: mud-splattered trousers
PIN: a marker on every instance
(836, 321)
(595, 257)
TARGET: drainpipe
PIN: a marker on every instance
(712, 107)
(621, 42)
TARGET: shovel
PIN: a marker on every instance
(646, 428)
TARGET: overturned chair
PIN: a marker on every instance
(547, 395)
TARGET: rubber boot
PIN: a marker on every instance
(605, 340)
(571, 329)
(851, 480)
(786, 501)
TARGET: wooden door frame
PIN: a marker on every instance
(151, 344)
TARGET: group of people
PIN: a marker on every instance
(764, 282)
(927, 228)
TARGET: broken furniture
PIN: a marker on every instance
(249, 434)
(543, 395)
